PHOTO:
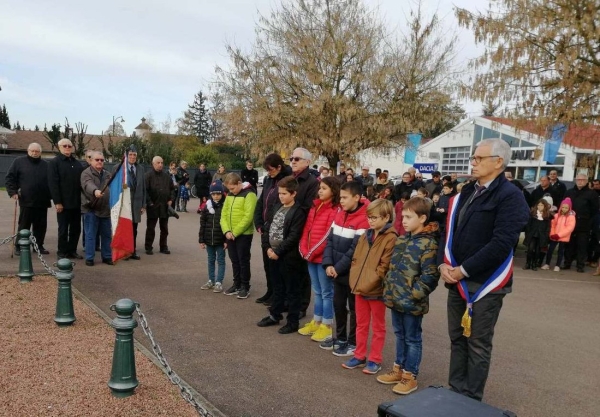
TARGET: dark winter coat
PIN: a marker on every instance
(403, 187)
(346, 229)
(538, 229)
(210, 224)
(250, 176)
(202, 182)
(308, 187)
(182, 177)
(293, 225)
(538, 193)
(64, 175)
(28, 177)
(92, 180)
(268, 198)
(558, 191)
(585, 206)
(137, 190)
(159, 190)
(432, 187)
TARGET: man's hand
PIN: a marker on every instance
(98, 194)
(331, 272)
(451, 275)
(203, 246)
(59, 208)
(15, 197)
(169, 203)
(143, 210)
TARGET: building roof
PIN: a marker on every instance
(22, 138)
(5, 131)
(583, 137)
(143, 125)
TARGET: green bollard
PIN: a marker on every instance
(65, 316)
(25, 266)
(122, 376)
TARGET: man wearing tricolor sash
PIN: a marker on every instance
(476, 262)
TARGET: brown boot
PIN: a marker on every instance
(392, 377)
(407, 385)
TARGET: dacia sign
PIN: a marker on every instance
(426, 168)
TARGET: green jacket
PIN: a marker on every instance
(238, 213)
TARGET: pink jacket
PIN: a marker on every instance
(563, 226)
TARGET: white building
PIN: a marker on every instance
(451, 150)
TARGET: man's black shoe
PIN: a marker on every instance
(17, 251)
(43, 250)
(267, 321)
(108, 261)
(61, 255)
(288, 328)
(165, 251)
(580, 270)
(263, 298)
(149, 252)
(89, 263)
(74, 255)
(268, 301)
(302, 314)
(135, 256)
(566, 266)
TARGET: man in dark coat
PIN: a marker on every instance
(95, 206)
(434, 185)
(558, 188)
(64, 173)
(202, 180)
(585, 206)
(485, 223)
(250, 175)
(541, 190)
(159, 192)
(276, 170)
(27, 182)
(137, 185)
(406, 186)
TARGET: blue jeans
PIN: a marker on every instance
(322, 286)
(216, 253)
(92, 224)
(409, 343)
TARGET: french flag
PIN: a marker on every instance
(120, 214)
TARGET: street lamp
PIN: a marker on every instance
(115, 120)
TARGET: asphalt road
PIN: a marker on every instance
(545, 360)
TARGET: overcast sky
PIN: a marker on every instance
(90, 61)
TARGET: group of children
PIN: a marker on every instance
(357, 264)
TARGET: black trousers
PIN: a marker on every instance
(470, 358)
(305, 286)
(343, 303)
(151, 232)
(35, 218)
(286, 280)
(267, 267)
(577, 249)
(239, 254)
(135, 226)
(69, 229)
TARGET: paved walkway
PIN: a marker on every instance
(545, 361)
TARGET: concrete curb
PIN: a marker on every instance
(197, 396)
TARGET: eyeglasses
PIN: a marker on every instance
(66, 146)
(478, 159)
(99, 160)
(296, 159)
(373, 218)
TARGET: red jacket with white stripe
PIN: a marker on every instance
(316, 230)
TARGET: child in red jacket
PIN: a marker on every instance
(312, 246)
(561, 228)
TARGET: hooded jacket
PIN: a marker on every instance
(210, 223)
(371, 261)
(413, 273)
(316, 230)
(345, 231)
(238, 212)
(563, 224)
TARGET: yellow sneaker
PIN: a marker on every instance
(322, 334)
(309, 328)
(407, 385)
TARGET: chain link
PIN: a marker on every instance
(175, 379)
(39, 254)
(8, 239)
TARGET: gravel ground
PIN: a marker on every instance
(63, 371)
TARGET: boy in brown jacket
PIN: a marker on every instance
(370, 263)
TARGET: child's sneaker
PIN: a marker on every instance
(557, 268)
(231, 291)
(407, 385)
(330, 344)
(243, 293)
(354, 363)
(372, 368)
(392, 377)
(309, 328)
(545, 267)
(323, 333)
(218, 287)
(207, 286)
(345, 349)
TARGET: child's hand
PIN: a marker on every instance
(555, 237)
(330, 272)
(203, 246)
(224, 245)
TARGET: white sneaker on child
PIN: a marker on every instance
(218, 287)
(557, 268)
(209, 285)
(546, 267)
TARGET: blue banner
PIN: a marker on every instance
(553, 143)
(425, 168)
(410, 150)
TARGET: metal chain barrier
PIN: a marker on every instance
(8, 239)
(175, 379)
(39, 254)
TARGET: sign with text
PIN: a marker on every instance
(424, 168)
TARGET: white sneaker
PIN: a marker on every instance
(207, 286)
(218, 287)
(557, 268)
(546, 267)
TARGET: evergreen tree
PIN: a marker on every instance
(54, 135)
(37, 128)
(4, 119)
(196, 120)
(17, 126)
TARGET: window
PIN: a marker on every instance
(490, 134)
(477, 134)
(456, 159)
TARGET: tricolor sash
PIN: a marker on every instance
(496, 281)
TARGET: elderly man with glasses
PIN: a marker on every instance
(64, 174)
(95, 207)
(27, 182)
